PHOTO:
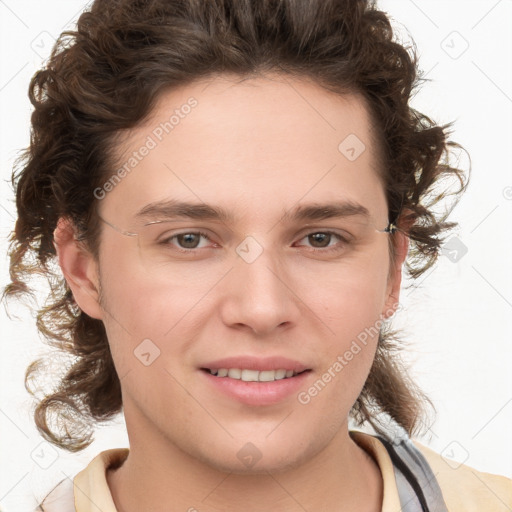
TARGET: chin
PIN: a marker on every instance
(274, 464)
(255, 456)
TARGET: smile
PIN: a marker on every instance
(253, 375)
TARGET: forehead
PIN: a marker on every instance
(249, 145)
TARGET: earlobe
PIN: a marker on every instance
(79, 268)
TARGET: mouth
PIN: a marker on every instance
(256, 388)
(250, 375)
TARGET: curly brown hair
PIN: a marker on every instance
(106, 76)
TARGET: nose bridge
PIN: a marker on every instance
(259, 294)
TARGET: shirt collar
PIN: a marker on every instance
(92, 493)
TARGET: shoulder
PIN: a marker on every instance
(91, 482)
(466, 489)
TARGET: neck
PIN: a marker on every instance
(158, 475)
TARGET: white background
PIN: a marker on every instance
(458, 320)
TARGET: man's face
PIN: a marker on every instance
(262, 290)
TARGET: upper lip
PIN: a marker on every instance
(256, 363)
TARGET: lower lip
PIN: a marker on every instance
(258, 393)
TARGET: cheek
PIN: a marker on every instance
(151, 314)
(348, 301)
(350, 306)
(147, 300)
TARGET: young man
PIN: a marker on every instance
(231, 190)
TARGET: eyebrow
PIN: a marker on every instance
(170, 209)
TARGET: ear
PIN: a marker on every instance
(79, 268)
(401, 245)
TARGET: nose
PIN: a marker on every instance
(259, 297)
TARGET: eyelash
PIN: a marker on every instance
(166, 241)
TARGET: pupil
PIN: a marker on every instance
(319, 237)
(187, 240)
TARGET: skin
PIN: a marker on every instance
(257, 148)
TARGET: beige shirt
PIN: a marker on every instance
(464, 489)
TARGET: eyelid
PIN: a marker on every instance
(167, 237)
(309, 230)
(336, 247)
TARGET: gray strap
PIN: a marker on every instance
(418, 488)
(408, 498)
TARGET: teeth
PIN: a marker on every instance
(235, 373)
(249, 375)
(280, 374)
(267, 375)
(253, 375)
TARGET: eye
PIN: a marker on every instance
(186, 241)
(192, 241)
(321, 241)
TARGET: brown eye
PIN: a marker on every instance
(185, 241)
(320, 239)
(188, 240)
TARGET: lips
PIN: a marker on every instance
(256, 363)
(257, 393)
(256, 381)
